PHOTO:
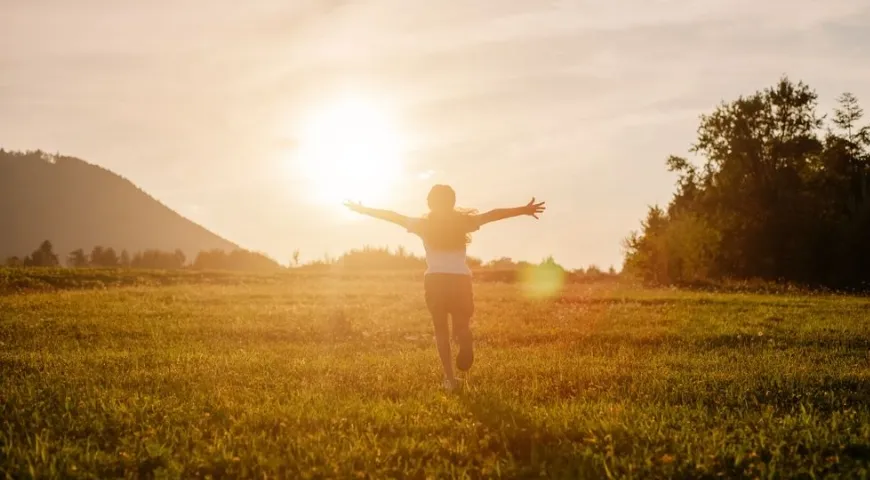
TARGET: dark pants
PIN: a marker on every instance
(449, 294)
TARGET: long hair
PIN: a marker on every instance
(446, 227)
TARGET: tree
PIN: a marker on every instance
(758, 149)
(14, 261)
(474, 262)
(240, 260)
(646, 252)
(77, 259)
(771, 198)
(124, 259)
(296, 254)
(158, 260)
(104, 257)
(374, 258)
(847, 116)
(179, 259)
(503, 263)
(136, 261)
(110, 258)
(96, 256)
(43, 256)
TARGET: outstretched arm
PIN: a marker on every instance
(531, 208)
(387, 215)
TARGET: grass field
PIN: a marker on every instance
(314, 376)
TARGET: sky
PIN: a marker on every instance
(204, 104)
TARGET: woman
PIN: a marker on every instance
(445, 233)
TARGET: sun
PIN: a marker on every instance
(349, 150)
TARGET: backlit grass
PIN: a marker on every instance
(324, 377)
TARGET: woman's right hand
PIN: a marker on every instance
(355, 206)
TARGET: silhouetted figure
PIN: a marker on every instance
(445, 233)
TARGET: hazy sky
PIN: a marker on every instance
(578, 103)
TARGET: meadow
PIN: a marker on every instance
(319, 376)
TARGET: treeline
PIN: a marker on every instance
(779, 193)
(107, 257)
(382, 258)
(362, 260)
(379, 258)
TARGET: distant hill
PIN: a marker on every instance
(78, 205)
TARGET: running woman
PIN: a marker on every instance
(445, 232)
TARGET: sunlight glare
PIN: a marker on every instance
(542, 281)
(350, 150)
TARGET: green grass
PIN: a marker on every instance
(319, 376)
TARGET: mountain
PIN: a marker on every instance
(78, 205)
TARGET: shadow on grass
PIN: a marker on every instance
(771, 338)
(534, 450)
(736, 301)
(531, 449)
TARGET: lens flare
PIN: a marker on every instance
(542, 281)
